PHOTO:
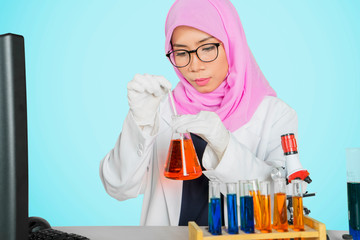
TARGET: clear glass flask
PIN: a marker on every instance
(182, 162)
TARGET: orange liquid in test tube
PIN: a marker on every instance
(265, 213)
(298, 213)
(257, 208)
(280, 213)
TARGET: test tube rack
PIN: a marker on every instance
(314, 230)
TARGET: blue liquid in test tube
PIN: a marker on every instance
(232, 214)
(247, 214)
(215, 215)
(242, 213)
(210, 221)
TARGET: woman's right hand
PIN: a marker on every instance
(144, 95)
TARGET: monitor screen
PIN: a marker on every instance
(13, 140)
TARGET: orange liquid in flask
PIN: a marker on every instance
(174, 168)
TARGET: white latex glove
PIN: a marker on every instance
(144, 96)
(208, 126)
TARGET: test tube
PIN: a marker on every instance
(214, 208)
(246, 208)
(255, 193)
(231, 200)
(280, 222)
(265, 207)
(297, 202)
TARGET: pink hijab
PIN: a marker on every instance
(239, 95)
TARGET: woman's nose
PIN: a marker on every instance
(195, 63)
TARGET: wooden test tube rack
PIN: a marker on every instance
(314, 230)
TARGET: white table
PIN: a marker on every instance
(146, 233)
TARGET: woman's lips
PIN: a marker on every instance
(202, 81)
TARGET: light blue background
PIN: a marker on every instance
(81, 54)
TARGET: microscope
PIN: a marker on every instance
(292, 170)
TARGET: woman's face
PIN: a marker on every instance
(205, 77)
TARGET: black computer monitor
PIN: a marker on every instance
(13, 140)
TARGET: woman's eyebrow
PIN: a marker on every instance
(179, 45)
(201, 41)
(205, 39)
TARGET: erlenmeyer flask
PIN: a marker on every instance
(182, 162)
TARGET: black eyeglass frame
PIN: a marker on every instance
(194, 51)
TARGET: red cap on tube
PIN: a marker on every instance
(288, 143)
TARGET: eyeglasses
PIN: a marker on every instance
(206, 53)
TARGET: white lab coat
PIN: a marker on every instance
(136, 164)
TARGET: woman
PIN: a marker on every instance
(224, 100)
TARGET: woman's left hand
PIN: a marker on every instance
(208, 126)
